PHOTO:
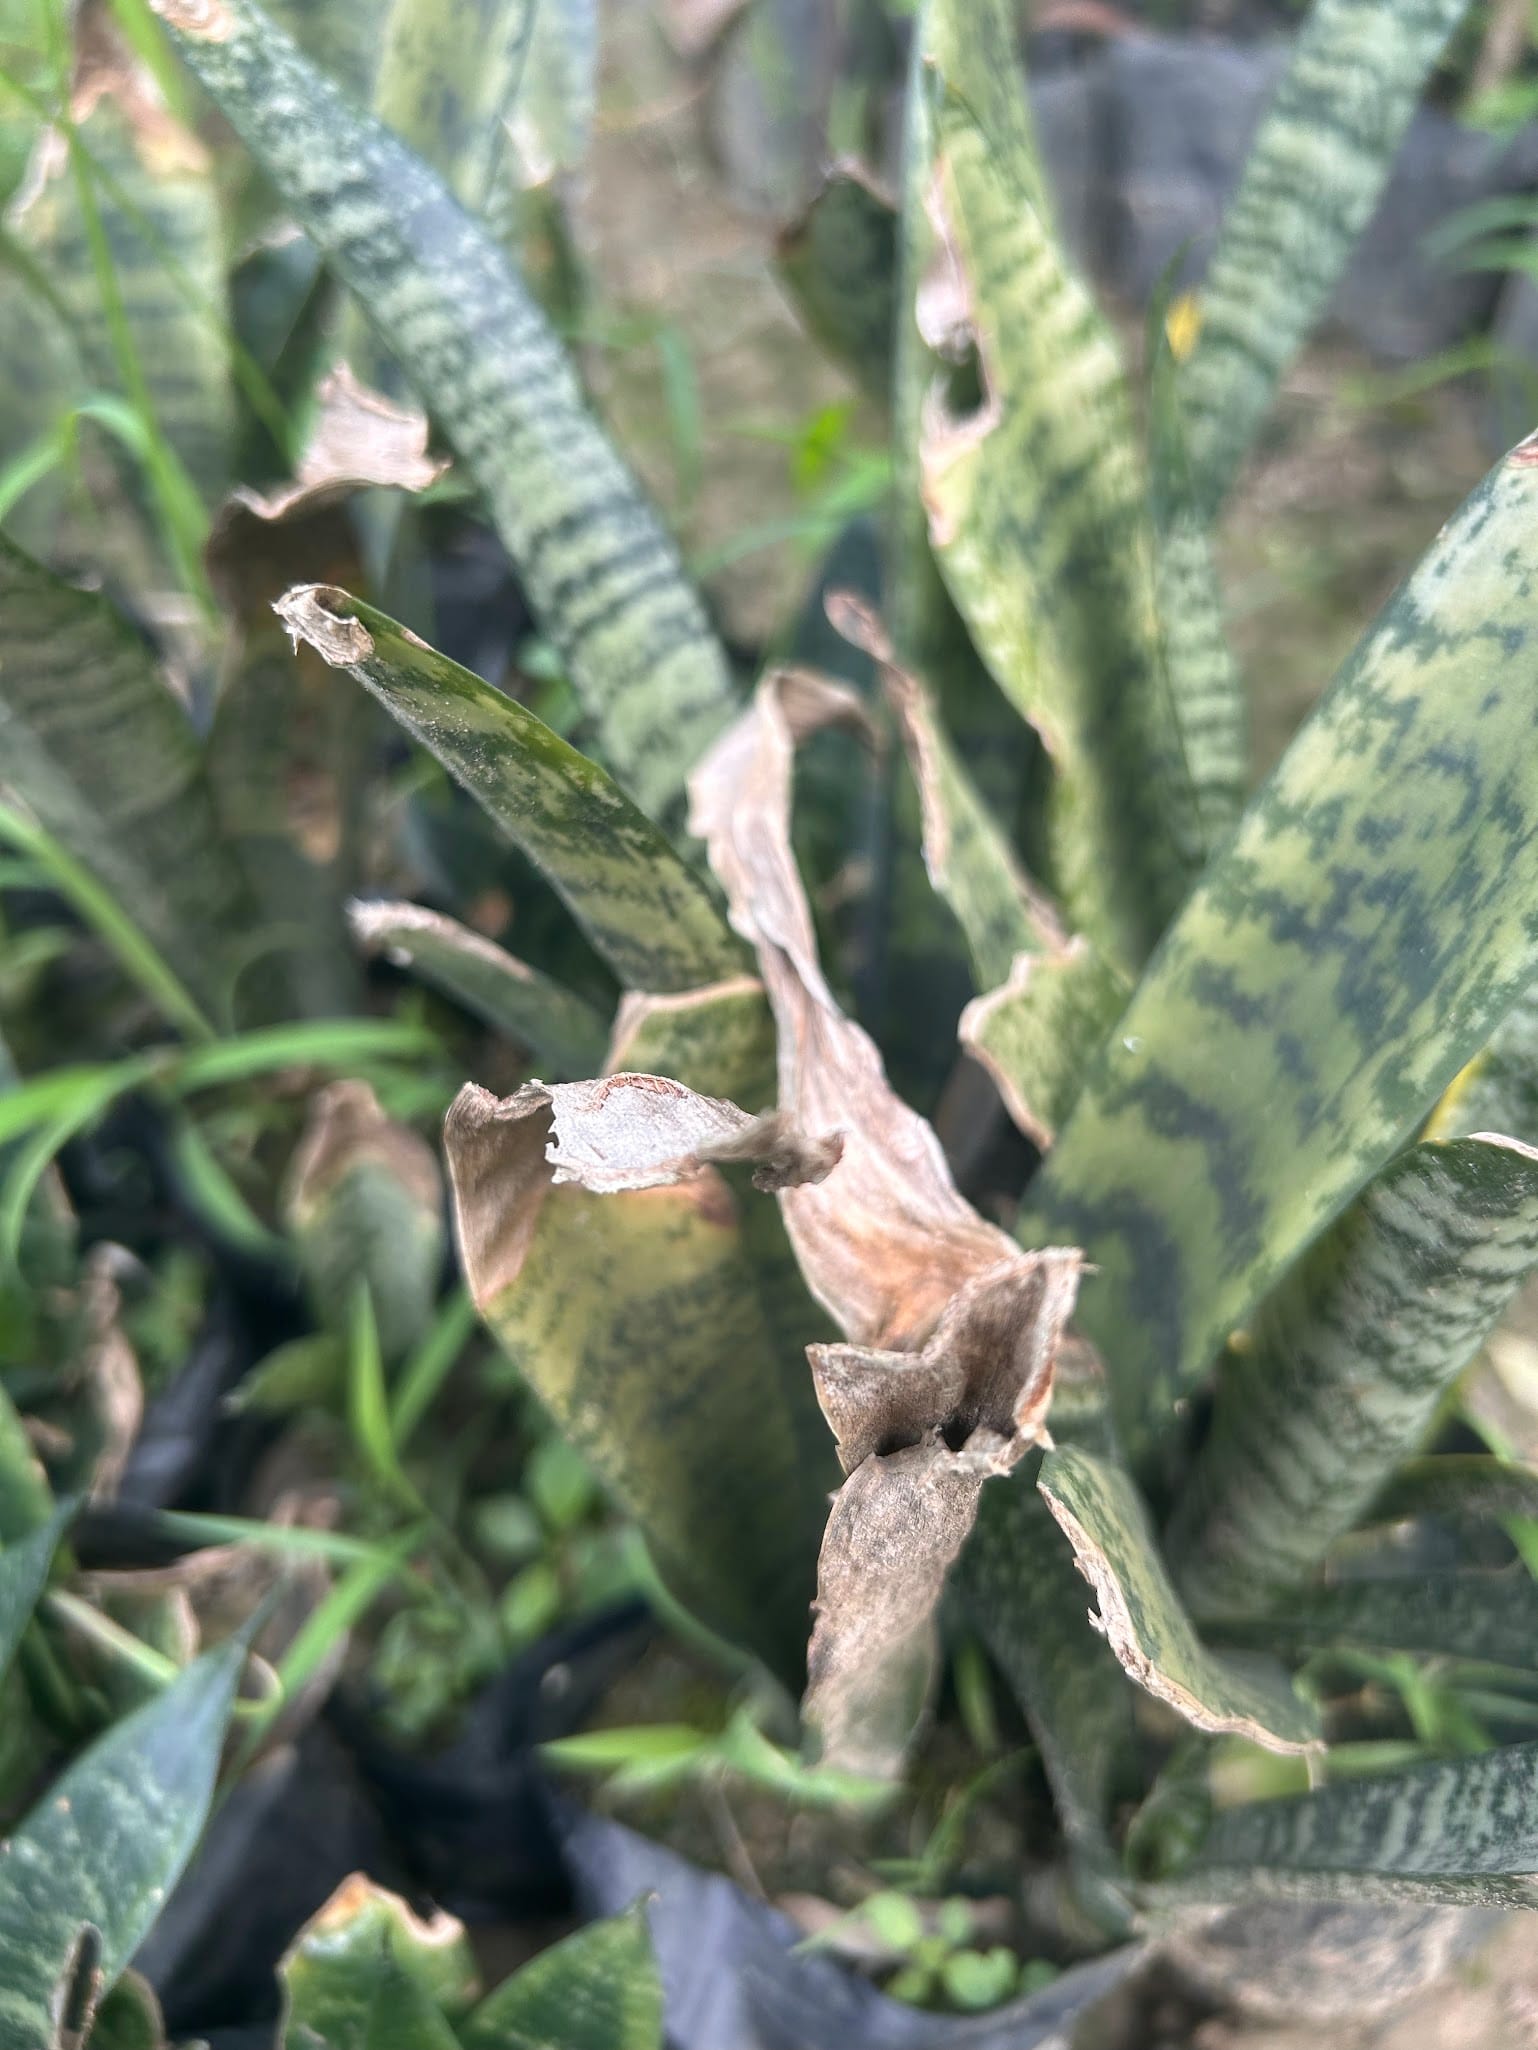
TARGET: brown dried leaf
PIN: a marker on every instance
(952, 1329)
(358, 439)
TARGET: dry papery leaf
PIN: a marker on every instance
(952, 1329)
(346, 1128)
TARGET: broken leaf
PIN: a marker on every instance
(1099, 1508)
(951, 1331)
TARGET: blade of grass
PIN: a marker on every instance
(429, 1366)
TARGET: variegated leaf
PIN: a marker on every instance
(596, 1990)
(601, 573)
(643, 908)
(365, 1973)
(1353, 945)
(1341, 1375)
(563, 1031)
(1099, 1509)
(99, 751)
(1489, 1617)
(1312, 180)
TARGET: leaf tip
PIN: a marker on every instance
(315, 614)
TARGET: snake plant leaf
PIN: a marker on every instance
(1344, 1369)
(1310, 185)
(24, 1567)
(129, 2018)
(1490, 1617)
(1038, 518)
(951, 1343)
(1199, 665)
(103, 756)
(602, 575)
(1353, 945)
(718, 1040)
(592, 1298)
(839, 263)
(365, 1973)
(346, 43)
(562, 1030)
(1458, 1485)
(363, 1202)
(449, 73)
(108, 1842)
(1498, 1090)
(597, 1990)
(1460, 1831)
(1020, 1590)
(1038, 1032)
(153, 188)
(1099, 1509)
(644, 909)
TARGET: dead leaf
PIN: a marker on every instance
(952, 1329)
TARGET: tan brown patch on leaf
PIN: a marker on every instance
(952, 1330)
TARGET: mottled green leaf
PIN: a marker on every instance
(24, 1568)
(363, 1203)
(719, 1040)
(643, 908)
(1037, 1034)
(153, 187)
(619, 1311)
(602, 575)
(1038, 509)
(839, 262)
(1098, 1507)
(1354, 944)
(1022, 1593)
(100, 752)
(1463, 1831)
(449, 71)
(563, 1031)
(1203, 678)
(1342, 1374)
(365, 1973)
(1489, 1617)
(129, 2018)
(108, 1842)
(1457, 1485)
(1318, 165)
(599, 1990)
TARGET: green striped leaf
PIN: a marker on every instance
(108, 1842)
(103, 756)
(1313, 178)
(1038, 510)
(718, 1040)
(1038, 1032)
(646, 912)
(1203, 678)
(24, 1567)
(1344, 1370)
(365, 1973)
(1458, 1485)
(602, 575)
(839, 262)
(1462, 1831)
(1100, 1510)
(1353, 945)
(449, 73)
(1489, 1617)
(563, 1031)
(598, 1990)
(1020, 1590)
(727, 1474)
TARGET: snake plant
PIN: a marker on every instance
(1170, 1438)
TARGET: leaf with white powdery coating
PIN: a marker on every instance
(109, 1841)
(601, 573)
(1310, 184)
(1354, 944)
(644, 909)
(1342, 1375)
(562, 1030)
(1099, 1508)
(100, 752)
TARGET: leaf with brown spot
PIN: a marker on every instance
(905, 1265)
